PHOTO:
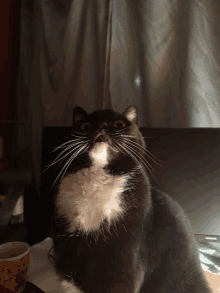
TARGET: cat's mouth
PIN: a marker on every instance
(100, 138)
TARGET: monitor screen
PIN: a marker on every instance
(188, 169)
(186, 165)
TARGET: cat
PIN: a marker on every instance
(112, 230)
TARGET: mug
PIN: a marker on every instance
(14, 262)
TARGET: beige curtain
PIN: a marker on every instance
(160, 55)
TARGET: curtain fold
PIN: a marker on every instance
(160, 55)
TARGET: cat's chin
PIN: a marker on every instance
(99, 153)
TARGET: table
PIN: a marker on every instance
(41, 272)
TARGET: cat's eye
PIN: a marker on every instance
(119, 124)
(86, 126)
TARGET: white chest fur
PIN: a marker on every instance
(90, 196)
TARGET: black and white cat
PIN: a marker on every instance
(113, 232)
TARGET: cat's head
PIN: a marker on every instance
(109, 136)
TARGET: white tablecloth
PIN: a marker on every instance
(41, 272)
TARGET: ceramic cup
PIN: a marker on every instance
(14, 261)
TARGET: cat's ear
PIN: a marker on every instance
(79, 114)
(131, 114)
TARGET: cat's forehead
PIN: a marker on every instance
(106, 115)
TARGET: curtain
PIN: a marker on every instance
(160, 55)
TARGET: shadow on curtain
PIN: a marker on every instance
(160, 55)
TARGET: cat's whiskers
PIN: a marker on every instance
(64, 144)
(72, 146)
(118, 131)
(133, 157)
(144, 149)
(67, 155)
(81, 134)
(80, 151)
(79, 137)
(132, 153)
(143, 159)
(68, 147)
(126, 135)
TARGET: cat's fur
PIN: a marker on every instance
(113, 232)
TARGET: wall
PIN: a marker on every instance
(9, 31)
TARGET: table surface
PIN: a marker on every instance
(41, 271)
